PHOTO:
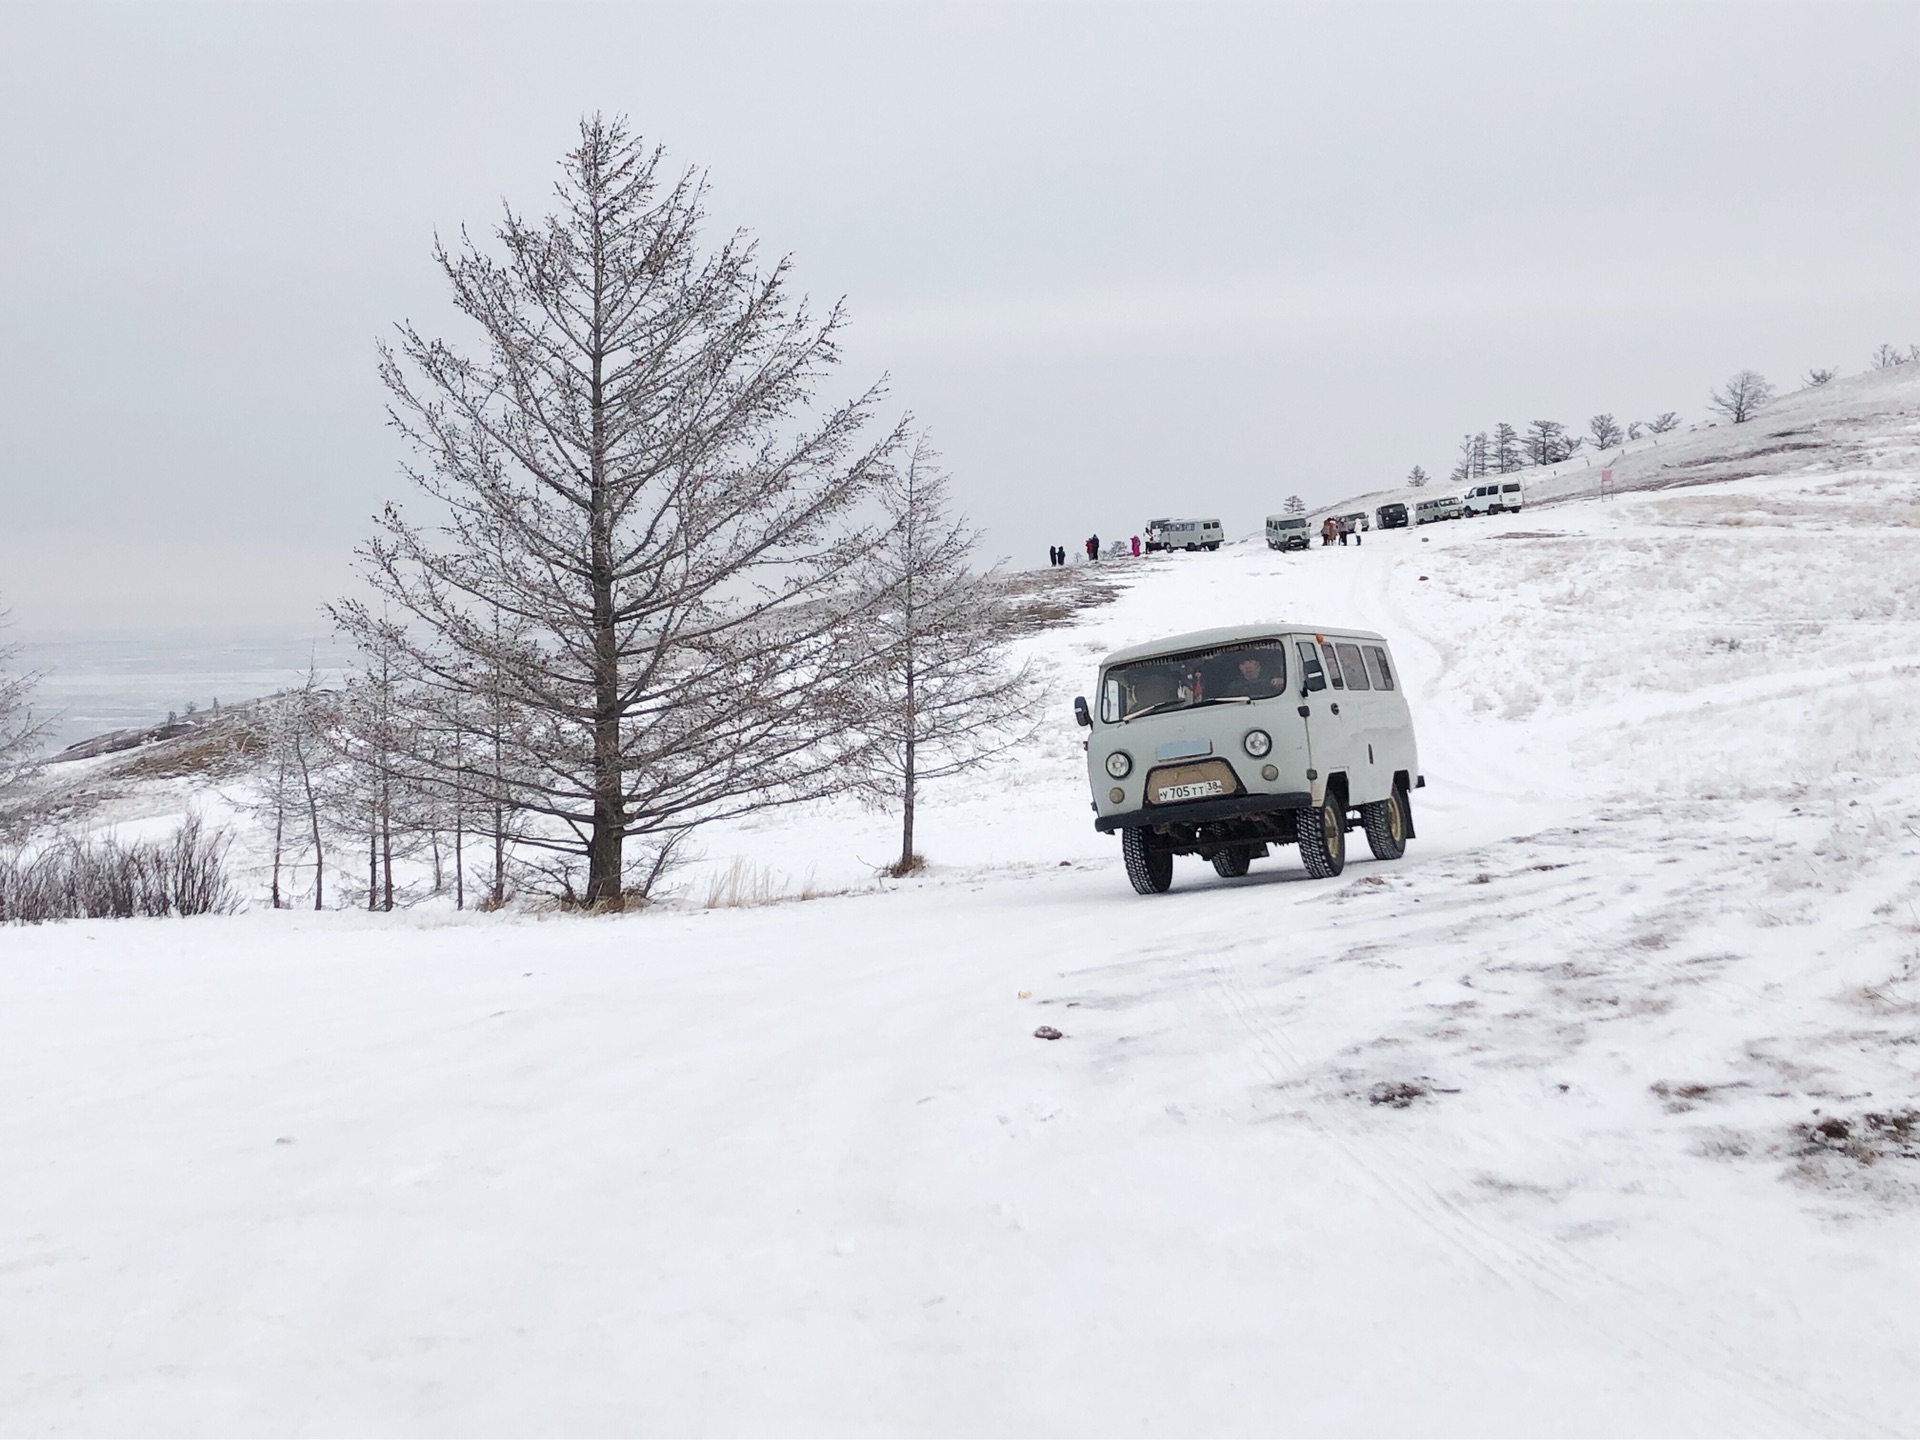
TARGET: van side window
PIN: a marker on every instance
(1333, 664)
(1377, 667)
(1310, 672)
(1353, 667)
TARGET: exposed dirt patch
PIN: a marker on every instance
(1396, 1094)
(1864, 1139)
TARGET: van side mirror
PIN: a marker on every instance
(1080, 711)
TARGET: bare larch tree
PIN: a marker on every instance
(1742, 396)
(633, 469)
(21, 731)
(942, 695)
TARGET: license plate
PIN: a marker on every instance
(1198, 790)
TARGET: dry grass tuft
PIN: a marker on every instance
(743, 885)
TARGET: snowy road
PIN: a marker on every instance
(1512, 1136)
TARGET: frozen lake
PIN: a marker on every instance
(95, 682)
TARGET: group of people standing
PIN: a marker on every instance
(1057, 554)
(1334, 528)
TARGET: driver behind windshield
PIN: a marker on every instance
(1252, 674)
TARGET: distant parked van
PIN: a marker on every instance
(1223, 743)
(1441, 507)
(1356, 521)
(1492, 499)
(1184, 535)
(1287, 532)
(1391, 517)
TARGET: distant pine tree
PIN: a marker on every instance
(1417, 478)
(1295, 505)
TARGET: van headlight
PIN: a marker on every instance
(1119, 764)
(1256, 743)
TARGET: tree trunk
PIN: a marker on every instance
(608, 841)
(907, 788)
(313, 820)
(386, 846)
(279, 834)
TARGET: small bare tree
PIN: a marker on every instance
(1604, 431)
(374, 789)
(21, 731)
(1821, 375)
(942, 698)
(1742, 397)
(634, 470)
(292, 769)
(1663, 422)
(1417, 478)
(1888, 356)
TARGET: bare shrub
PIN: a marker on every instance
(183, 874)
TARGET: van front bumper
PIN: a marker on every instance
(1202, 812)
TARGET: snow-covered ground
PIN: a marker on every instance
(1519, 1134)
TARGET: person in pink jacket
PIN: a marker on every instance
(1136, 547)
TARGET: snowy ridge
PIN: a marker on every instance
(1594, 1114)
(1870, 419)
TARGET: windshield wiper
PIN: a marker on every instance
(1149, 709)
(1186, 705)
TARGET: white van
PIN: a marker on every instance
(1287, 532)
(1223, 743)
(1184, 535)
(1441, 507)
(1492, 499)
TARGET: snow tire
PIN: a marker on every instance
(1150, 870)
(1323, 838)
(1233, 862)
(1386, 822)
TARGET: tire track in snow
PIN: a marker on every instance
(1550, 1270)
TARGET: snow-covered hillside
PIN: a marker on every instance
(1594, 1114)
(1861, 420)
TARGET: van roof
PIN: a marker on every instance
(1232, 635)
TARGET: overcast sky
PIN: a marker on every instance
(1124, 260)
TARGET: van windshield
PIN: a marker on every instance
(1232, 674)
(1292, 522)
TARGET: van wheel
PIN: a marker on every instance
(1386, 822)
(1233, 862)
(1151, 871)
(1323, 839)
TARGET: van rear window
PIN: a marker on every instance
(1377, 667)
(1333, 664)
(1353, 667)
